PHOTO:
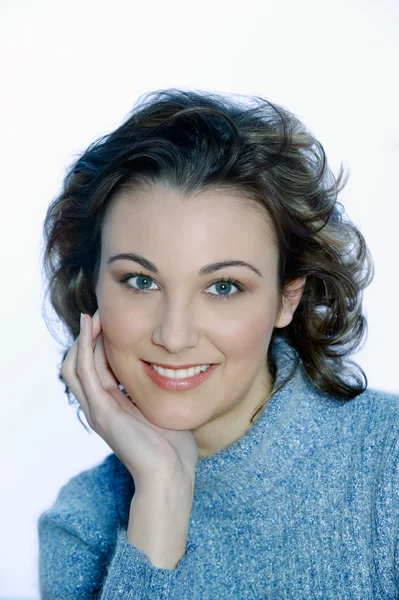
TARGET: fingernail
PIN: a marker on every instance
(81, 321)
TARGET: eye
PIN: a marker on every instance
(223, 285)
(143, 280)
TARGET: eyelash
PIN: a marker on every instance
(240, 287)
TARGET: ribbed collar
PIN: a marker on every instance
(288, 371)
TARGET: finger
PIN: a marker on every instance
(107, 376)
(86, 370)
(97, 326)
(69, 374)
(103, 368)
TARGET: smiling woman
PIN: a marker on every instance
(174, 320)
(221, 284)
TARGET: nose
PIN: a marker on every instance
(175, 329)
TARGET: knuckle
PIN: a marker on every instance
(80, 370)
(109, 387)
(96, 420)
(66, 366)
(99, 415)
(64, 372)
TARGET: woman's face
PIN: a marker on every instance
(181, 316)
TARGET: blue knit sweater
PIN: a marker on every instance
(304, 505)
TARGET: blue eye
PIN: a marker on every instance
(144, 283)
(224, 285)
(143, 280)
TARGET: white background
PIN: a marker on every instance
(71, 71)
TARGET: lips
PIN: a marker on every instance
(167, 383)
(177, 367)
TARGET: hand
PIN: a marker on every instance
(145, 449)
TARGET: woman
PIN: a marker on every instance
(205, 234)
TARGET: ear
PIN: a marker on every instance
(290, 301)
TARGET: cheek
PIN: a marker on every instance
(121, 327)
(121, 331)
(124, 322)
(248, 334)
(121, 336)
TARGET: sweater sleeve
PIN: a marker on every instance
(131, 575)
(70, 569)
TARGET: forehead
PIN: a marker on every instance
(162, 217)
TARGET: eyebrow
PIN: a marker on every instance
(205, 270)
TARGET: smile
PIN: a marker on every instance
(179, 379)
(180, 373)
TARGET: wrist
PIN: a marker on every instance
(158, 524)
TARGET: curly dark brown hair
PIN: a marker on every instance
(196, 141)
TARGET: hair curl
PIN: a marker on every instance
(196, 141)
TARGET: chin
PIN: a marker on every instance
(173, 420)
(172, 425)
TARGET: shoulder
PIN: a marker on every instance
(103, 481)
(369, 427)
(381, 406)
(386, 410)
(93, 501)
(367, 423)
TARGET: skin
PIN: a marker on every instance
(185, 317)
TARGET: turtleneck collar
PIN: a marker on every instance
(287, 362)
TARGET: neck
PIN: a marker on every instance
(225, 429)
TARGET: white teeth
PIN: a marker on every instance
(180, 373)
